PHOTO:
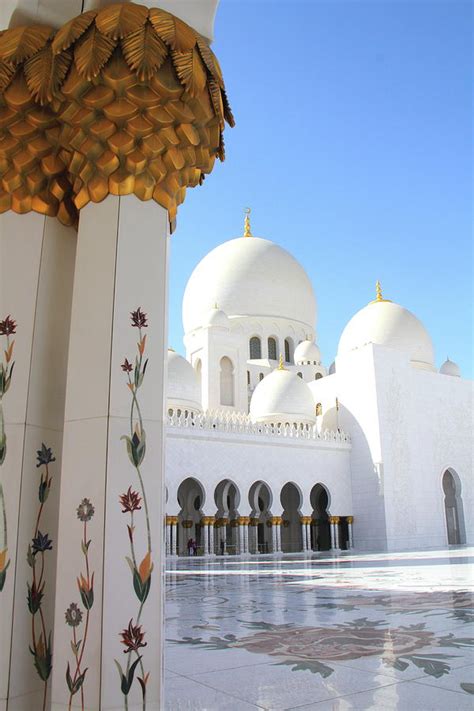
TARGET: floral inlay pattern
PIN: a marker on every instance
(311, 648)
(74, 615)
(132, 636)
(7, 329)
(41, 644)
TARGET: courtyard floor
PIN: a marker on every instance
(356, 631)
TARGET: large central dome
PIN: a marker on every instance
(249, 276)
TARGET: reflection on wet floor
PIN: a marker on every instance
(391, 631)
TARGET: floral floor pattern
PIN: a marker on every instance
(388, 631)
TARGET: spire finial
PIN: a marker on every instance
(280, 364)
(378, 293)
(247, 230)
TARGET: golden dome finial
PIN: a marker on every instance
(378, 293)
(280, 364)
(247, 230)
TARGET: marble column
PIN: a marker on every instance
(212, 549)
(112, 487)
(336, 532)
(205, 538)
(174, 536)
(168, 535)
(224, 521)
(36, 273)
(350, 521)
(333, 532)
(253, 536)
(245, 533)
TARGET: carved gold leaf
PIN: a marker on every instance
(176, 33)
(210, 61)
(45, 73)
(6, 73)
(85, 115)
(118, 21)
(22, 42)
(144, 51)
(72, 30)
(190, 70)
(92, 52)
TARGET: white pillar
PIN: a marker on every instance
(246, 536)
(174, 536)
(205, 530)
(336, 532)
(212, 550)
(253, 538)
(308, 536)
(36, 274)
(278, 536)
(168, 537)
(350, 531)
(274, 537)
(333, 533)
(121, 265)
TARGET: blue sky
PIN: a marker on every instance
(353, 148)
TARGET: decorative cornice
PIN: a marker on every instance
(124, 100)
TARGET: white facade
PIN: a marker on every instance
(279, 456)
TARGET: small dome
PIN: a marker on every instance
(282, 397)
(450, 368)
(307, 352)
(388, 324)
(183, 391)
(217, 318)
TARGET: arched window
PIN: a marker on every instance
(260, 376)
(272, 349)
(248, 377)
(288, 350)
(227, 381)
(255, 348)
(318, 376)
(300, 375)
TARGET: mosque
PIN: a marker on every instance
(270, 451)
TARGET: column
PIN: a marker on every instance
(350, 521)
(245, 528)
(278, 531)
(303, 533)
(332, 524)
(112, 488)
(205, 535)
(336, 532)
(241, 537)
(168, 534)
(212, 522)
(224, 524)
(253, 536)
(174, 536)
(36, 274)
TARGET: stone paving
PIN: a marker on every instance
(356, 631)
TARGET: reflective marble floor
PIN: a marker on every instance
(375, 631)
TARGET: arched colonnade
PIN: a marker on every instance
(261, 520)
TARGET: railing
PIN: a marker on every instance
(240, 423)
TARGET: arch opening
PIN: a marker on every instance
(227, 500)
(255, 348)
(260, 499)
(191, 497)
(320, 527)
(453, 508)
(291, 534)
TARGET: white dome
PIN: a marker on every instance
(450, 368)
(183, 390)
(389, 324)
(216, 318)
(249, 276)
(282, 397)
(307, 352)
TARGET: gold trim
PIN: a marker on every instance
(280, 363)
(124, 100)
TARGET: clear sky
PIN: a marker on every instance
(353, 147)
